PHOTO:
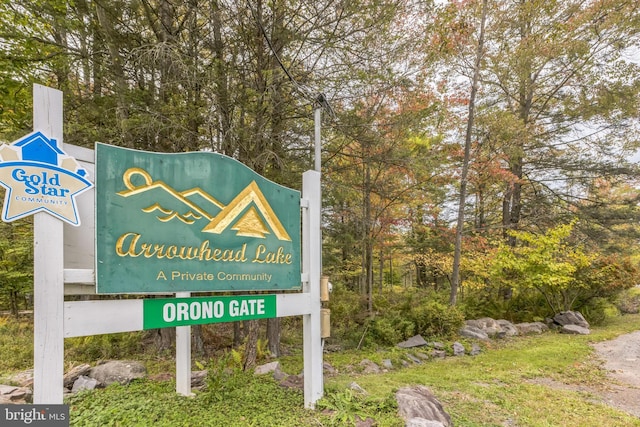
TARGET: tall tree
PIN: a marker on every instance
(556, 69)
(455, 275)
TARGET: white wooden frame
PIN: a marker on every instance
(64, 258)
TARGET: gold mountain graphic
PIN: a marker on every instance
(246, 214)
(251, 195)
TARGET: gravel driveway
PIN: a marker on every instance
(621, 357)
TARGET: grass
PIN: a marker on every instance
(501, 386)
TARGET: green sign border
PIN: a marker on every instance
(219, 309)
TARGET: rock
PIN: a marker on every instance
(570, 318)
(326, 367)
(508, 328)
(458, 349)
(199, 378)
(421, 355)
(267, 368)
(415, 341)
(475, 349)
(531, 328)
(437, 345)
(487, 325)
(15, 395)
(356, 387)
(418, 403)
(7, 389)
(574, 329)
(119, 371)
(70, 377)
(474, 332)
(386, 363)
(438, 353)
(414, 359)
(84, 383)
(421, 422)
(369, 367)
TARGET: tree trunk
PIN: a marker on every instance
(238, 334)
(251, 345)
(13, 295)
(273, 336)
(164, 338)
(455, 276)
(198, 340)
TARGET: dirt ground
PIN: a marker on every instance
(621, 358)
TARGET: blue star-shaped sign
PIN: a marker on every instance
(39, 177)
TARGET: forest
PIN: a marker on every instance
(478, 157)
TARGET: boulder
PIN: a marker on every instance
(474, 332)
(414, 359)
(120, 371)
(415, 341)
(416, 404)
(357, 388)
(84, 383)
(570, 318)
(15, 395)
(507, 328)
(421, 422)
(77, 371)
(458, 349)
(369, 367)
(329, 369)
(199, 378)
(487, 325)
(531, 328)
(574, 329)
(267, 368)
(439, 354)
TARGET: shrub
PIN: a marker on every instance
(597, 310)
(389, 330)
(628, 301)
(433, 318)
(401, 316)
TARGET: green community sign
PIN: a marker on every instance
(170, 312)
(192, 222)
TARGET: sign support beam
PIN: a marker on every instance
(183, 355)
(311, 265)
(48, 274)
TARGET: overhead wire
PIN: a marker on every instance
(320, 99)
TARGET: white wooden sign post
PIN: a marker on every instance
(48, 269)
(65, 255)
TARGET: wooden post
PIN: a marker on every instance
(48, 273)
(312, 266)
(183, 355)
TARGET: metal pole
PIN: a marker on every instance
(318, 140)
